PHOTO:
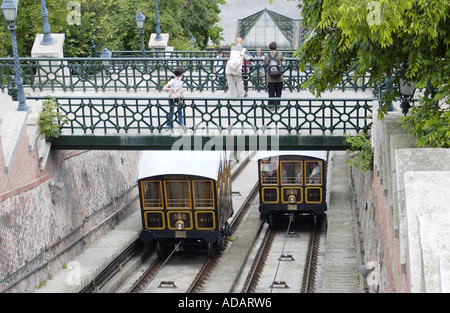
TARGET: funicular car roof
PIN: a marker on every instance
(314, 154)
(180, 162)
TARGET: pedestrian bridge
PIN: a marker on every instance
(116, 103)
(136, 123)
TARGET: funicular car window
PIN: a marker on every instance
(291, 172)
(313, 170)
(269, 173)
(203, 194)
(178, 194)
(151, 191)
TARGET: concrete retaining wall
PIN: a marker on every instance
(402, 212)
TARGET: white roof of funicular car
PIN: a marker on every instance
(181, 162)
(314, 154)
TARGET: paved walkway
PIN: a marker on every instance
(341, 268)
(92, 261)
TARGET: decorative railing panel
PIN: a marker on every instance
(133, 74)
(214, 116)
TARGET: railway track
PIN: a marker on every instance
(144, 283)
(281, 255)
(309, 274)
(114, 267)
(209, 265)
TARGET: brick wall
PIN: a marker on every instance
(394, 274)
(380, 240)
(23, 173)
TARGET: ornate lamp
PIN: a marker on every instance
(140, 20)
(9, 9)
(406, 91)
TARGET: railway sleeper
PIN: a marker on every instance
(167, 284)
(279, 284)
(286, 257)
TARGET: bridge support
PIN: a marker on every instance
(200, 142)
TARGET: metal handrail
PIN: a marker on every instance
(151, 115)
(151, 73)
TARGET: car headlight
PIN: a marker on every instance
(179, 225)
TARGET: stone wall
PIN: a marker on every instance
(393, 203)
(47, 211)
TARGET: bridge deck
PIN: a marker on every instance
(211, 120)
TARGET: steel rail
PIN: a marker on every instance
(211, 262)
(145, 279)
(261, 255)
(102, 278)
(308, 279)
(291, 218)
(309, 273)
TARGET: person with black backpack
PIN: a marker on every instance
(274, 72)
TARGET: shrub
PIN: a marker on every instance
(50, 120)
(363, 158)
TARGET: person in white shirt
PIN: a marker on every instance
(234, 75)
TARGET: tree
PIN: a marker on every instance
(93, 25)
(387, 39)
(199, 19)
(112, 23)
(181, 19)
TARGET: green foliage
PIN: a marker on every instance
(429, 124)
(199, 19)
(363, 158)
(95, 25)
(112, 23)
(41, 284)
(179, 18)
(50, 120)
(403, 38)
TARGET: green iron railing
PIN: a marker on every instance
(235, 123)
(133, 74)
(181, 53)
(124, 115)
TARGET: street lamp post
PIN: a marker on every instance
(389, 90)
(158, 29)
(406, 91)
(9, 9)
(140, 20)
(47, 39)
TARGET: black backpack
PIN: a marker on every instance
(274, 66)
